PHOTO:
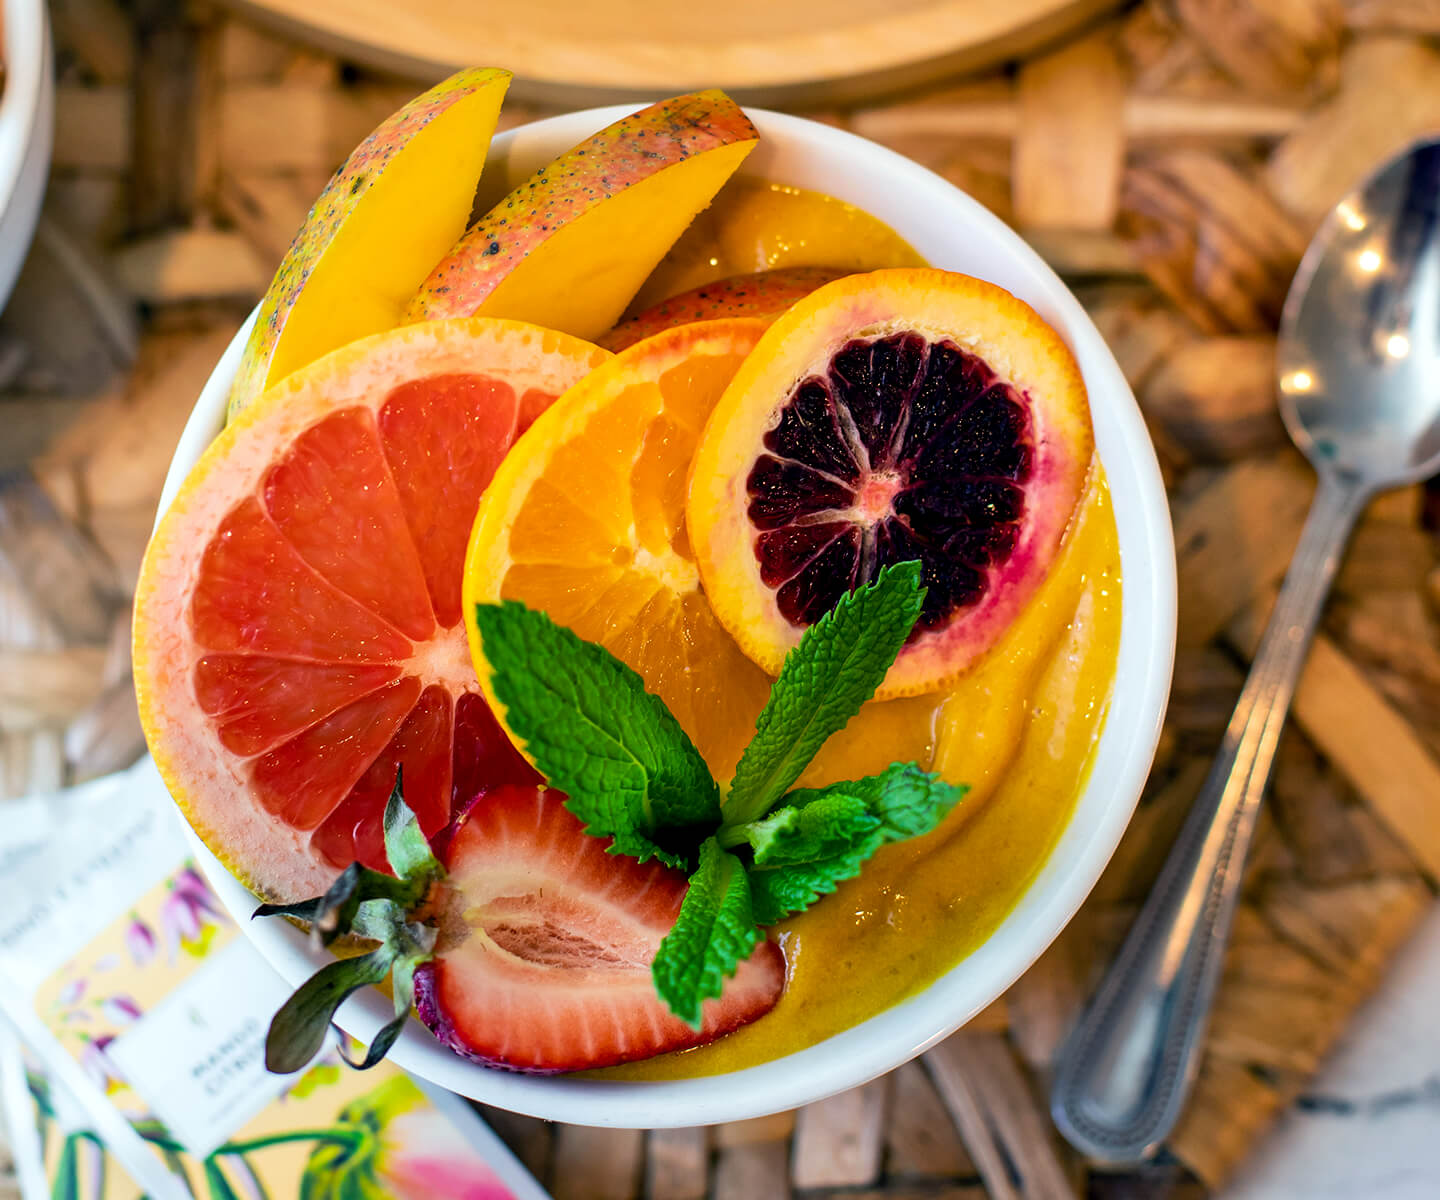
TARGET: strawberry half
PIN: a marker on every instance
(545, 945)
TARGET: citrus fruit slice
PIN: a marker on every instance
(903, 414)
(585, 520)
(764, 294)
(297, 620)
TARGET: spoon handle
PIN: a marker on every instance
(1124, 1072)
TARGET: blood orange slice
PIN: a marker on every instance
(297, 624)
(903, 414)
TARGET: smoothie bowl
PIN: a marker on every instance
(1048, 709)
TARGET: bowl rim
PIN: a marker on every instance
(1117, 773)
(25, 55)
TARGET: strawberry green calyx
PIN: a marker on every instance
(371, 905)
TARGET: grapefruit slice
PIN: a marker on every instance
(297, 619)
(903, 414)
(585, 520)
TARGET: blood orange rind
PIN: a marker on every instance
(226, 687)
(783, 450)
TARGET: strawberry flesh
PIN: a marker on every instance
(543, 959)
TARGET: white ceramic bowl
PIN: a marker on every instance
(27, 117)
(955, 232)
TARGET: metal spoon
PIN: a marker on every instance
(1359, 374)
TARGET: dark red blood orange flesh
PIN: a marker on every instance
(903, 449)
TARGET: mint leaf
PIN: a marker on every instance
(586, 719)
(822, 836)
(907, 801)
(714, 933)
(776, 892)
(824, 826)
(837, 666)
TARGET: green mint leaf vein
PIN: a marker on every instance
(780, 891)
(828, 824)
(714, 933)
(629, 769)
(906, 801)
(837, 666)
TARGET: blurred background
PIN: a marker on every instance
(1169, 158)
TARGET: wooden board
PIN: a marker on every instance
(574, 52)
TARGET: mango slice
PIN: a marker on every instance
(399, 202)
(570, 247)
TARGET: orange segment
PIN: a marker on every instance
(585, 520)
(297, 624)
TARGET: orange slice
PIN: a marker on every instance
(297, 620)
(903, 414)
(585, 521)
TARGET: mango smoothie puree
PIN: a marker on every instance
(688, 616)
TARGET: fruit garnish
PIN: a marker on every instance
(395, 206)
(764, 294)
(528, 949)
(632, 775)
(585, 520)
(519, 950)
(297, 621)
(569, 248)
(903, 414)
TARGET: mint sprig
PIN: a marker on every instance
(633, 775)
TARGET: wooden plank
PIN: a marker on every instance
(164, 141)
(249, 54)
(1363, 737)
(998, 1118)
(1394, 16)
(1274, 47)
(99, 34)
(1152, 831)
(1389, 96)
(1228, 1108)
(92, 127)
(190, 264)
(47, 687)
(774, 1127)
(1226, 557)
(678, 1163)
(1070, 144)
(1046, 1001)
(920, 1139)
(322, 124)
(1216, 396)
(532, 1139)
(267, 208)
(597, 1164)
(839, 1140)
(750, 1172)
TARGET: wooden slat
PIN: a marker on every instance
(190, 264)
(92, 127)
(597, 1164)
(775, 1127)
(99, 33)
(749, 1172)
(920, 1139)
(677, 1164)
(1365, 739)
(1226, 557)
(838, 1141)
(1216, 396)
(998, 1118)
(1070, 144)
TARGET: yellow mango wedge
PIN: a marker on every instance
(570, 247)
(379, 227)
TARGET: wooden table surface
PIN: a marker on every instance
(1170, 161)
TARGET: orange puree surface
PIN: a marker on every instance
(1020, 728)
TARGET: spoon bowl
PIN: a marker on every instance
(1359, 349)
